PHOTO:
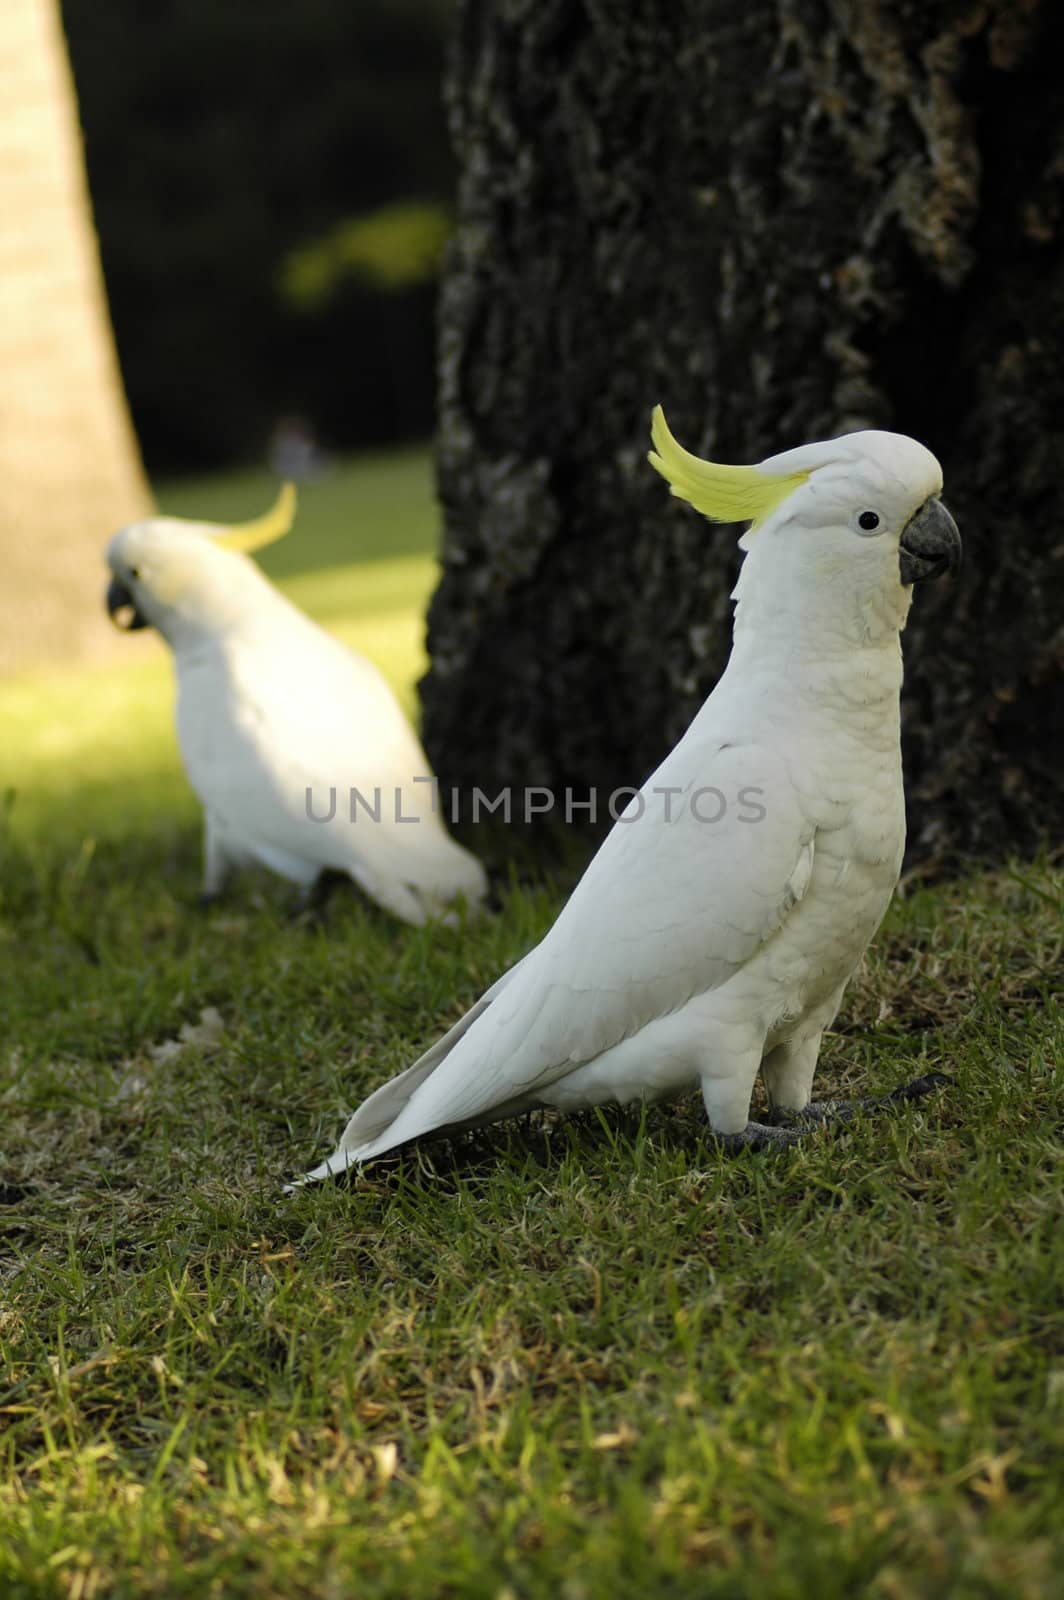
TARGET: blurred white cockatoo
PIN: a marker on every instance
(715, 930)
(296, 746)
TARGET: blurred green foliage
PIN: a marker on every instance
(395, 248)
(220, 140)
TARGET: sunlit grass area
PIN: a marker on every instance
(579, 1358)
(361, 559)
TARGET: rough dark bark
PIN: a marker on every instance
(782, 219)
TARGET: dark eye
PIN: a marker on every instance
(868, 521)
(134, 572)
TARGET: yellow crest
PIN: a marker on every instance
(247, 536)
(724, 494)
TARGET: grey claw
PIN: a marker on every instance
(815, 1112)
(916, 1090)
(759, 1136)
(845, 1110)
(312, 899)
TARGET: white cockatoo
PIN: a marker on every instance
(717, 926)
(297, 747)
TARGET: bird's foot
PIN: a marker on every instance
(312, 898)
(759, 1136)
(818, 1111)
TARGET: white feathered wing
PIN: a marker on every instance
(608, 967)
(286, 712)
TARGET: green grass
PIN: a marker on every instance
(577, 1358)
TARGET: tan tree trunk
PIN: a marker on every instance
(70, 469)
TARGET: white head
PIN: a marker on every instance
(840, 530)
(187, 578)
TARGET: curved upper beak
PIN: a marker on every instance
(930, 543)
(122, 608)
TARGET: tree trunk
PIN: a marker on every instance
(783, 220)
(70, 471)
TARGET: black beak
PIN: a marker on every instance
(119, 599)
(930, 544)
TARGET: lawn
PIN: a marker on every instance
(574, 1358)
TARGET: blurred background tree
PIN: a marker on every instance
(69, 465)
(783, 220)
(234, 155)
